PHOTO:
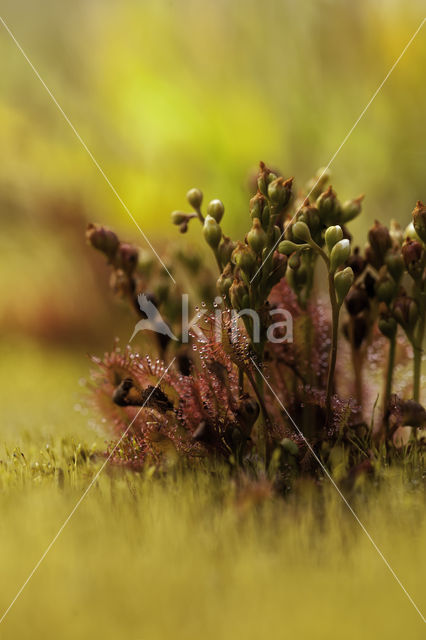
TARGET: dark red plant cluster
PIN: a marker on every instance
(249, 400)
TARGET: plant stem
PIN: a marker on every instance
(357, 362)
(418, 343)
(335, 309)
(417, 369)
(240, 381)
(389, 379)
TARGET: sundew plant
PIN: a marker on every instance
(257, 384)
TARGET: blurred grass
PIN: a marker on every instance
(183, 556)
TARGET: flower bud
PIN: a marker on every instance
(357, 300)
(262, 180)
(244, 258)
(351, 209)
(266, 216)
(212, 232)
(357, 329)
(294, 260)
(277, 234)
(395, 264)
(380, 243)
(318, 182)
(127, 257)
(178, 217)
(256, 237)
(412, 253)
(388, 326)
(224, 282)
(356, 262)
(419, 220)
(297, 278)
(286, 247)
(405, 312)
(279, 191)
(216, 209)
(225, 250)
(343, 280)
(333, 235)
(328, 206)
(102, 239)
(386, 288)
(370, 284)
(310, 216)
(278, 269)
(339, 254)
(257, 204)
(237, 294)
(195, 198)
(301, 232)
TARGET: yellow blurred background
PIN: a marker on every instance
(169, 95)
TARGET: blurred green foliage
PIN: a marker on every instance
(170, 94)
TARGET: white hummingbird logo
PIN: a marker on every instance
(153, 320)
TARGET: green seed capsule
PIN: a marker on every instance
(212, 232)
(339, 254)
(195, 198)
(333, 235)
(178, 217)
(286, 247)
(277, 235)
(351, 209)
(226, 248)
(386, 289)
(294, 260)
(257, 204)
(301, 232)
(395, 264)
(388, 326)
(279, 191)
(328, 206)
(224, 284)
(256, 237)
(237, 294)
(266, 215)
(216, 209)
(278, 269)
(343, 280)
(310, 216)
